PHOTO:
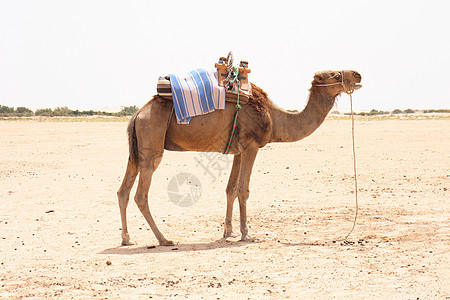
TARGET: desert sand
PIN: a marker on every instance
(60, 223)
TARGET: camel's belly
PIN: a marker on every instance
(207, 133)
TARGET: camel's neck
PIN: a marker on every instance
(291, 127)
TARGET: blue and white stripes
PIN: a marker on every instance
(196, 94)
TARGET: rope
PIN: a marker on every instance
(230, 140)
(346, 90)
(235, 81)
(354, 167)
(233, 76)
(349, 91)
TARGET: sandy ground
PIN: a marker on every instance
(60, 225)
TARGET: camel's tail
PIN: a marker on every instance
(132, 141)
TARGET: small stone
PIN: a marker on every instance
(108, 262)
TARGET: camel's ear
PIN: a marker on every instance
(318, 78)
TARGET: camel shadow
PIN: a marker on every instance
(306, 244)
(130, 250)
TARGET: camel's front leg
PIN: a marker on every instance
(231, 195)
(247, 159)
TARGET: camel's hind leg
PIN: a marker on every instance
(147, 166)
(124, 196)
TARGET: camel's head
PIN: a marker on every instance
(336, 82)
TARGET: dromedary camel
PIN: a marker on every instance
(151, 130)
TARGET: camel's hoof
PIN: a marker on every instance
(247, 238)
(230, 235)
(128, 242)
(166, 243)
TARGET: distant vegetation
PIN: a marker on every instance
(6, 111)
(128, 111)
(375, 112)
(442, 111)
(18, 112)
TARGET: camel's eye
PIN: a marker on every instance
(337, 76)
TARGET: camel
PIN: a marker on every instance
(152, 130)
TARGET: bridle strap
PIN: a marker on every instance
(346, 90)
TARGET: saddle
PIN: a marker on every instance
(225, 71)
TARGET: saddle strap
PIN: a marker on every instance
(230, 140)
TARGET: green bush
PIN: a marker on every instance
(24, 111)
(128, 111)
(61, 111)
(373, 112)
(44, 112)
(445, 111)
(74, 112)
(6, 109)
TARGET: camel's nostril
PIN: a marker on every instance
(356, 74)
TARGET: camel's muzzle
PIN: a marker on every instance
(356, 86)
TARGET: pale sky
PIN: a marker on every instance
(93, 54)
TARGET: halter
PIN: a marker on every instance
(346, 90)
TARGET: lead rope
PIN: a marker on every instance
(350, 92)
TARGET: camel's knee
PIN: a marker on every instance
(122, 193)
(141, 201)
(123, 200)
(150, 160)
(231, 191)
(243, 193)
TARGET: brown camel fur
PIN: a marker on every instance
(260, 122)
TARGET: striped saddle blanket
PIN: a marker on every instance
(193, 94)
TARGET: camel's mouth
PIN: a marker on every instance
(356, 86)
